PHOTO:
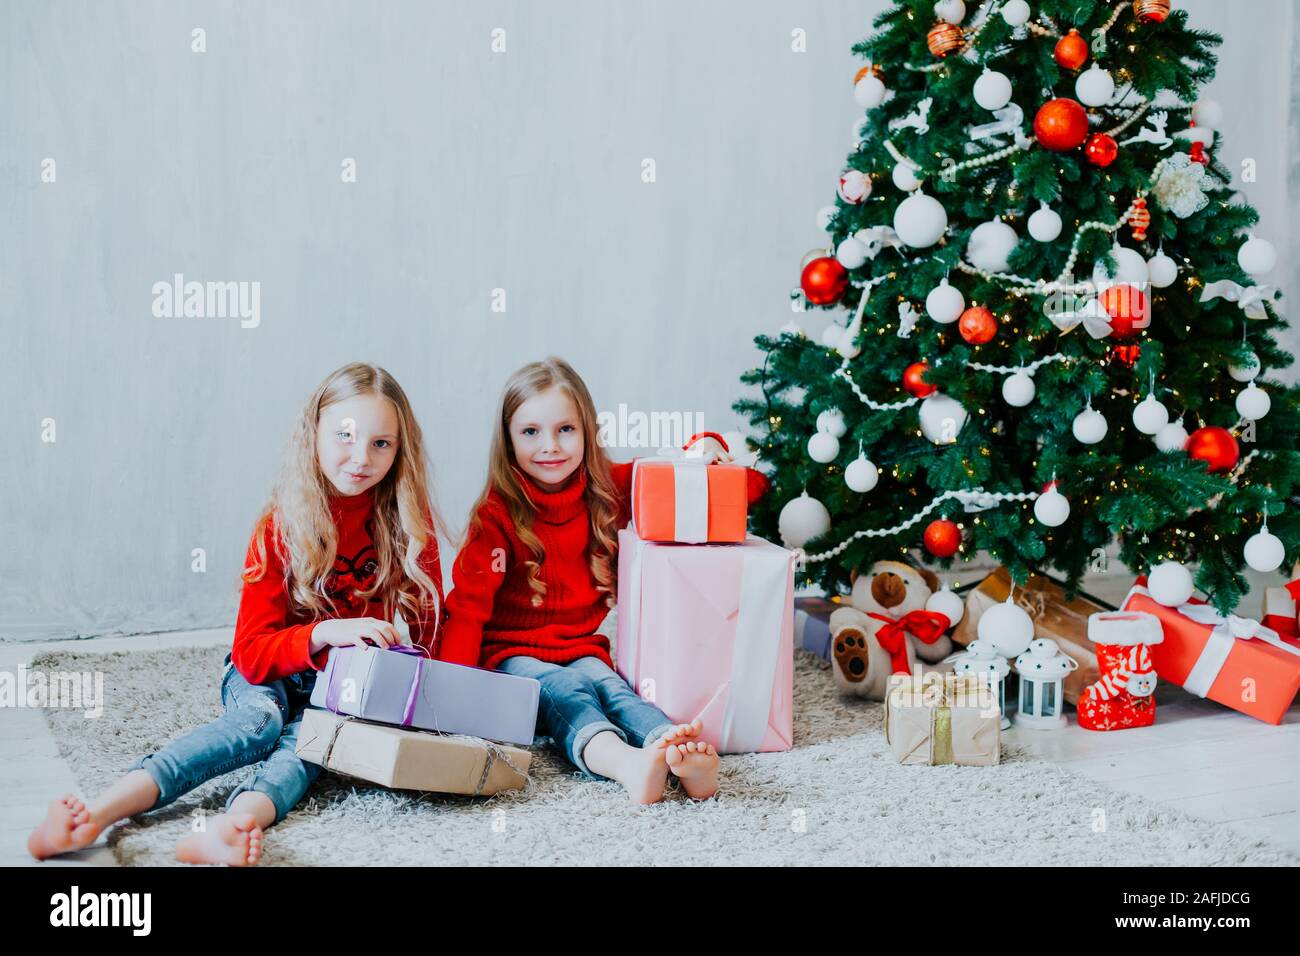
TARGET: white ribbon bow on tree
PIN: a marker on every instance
(1249, 298)
(1089, 314)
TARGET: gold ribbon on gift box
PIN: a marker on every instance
(939, 694)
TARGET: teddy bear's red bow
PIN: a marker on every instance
(926, 626)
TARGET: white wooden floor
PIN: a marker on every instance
(1200, 757)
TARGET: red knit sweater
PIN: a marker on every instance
(490, 615)
(271, 637)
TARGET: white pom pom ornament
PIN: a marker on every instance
(904, 177)
(869, 91)
(1051, 507)
(1015, 13)
(1162, 270)
(1173, 437)
(851, 253)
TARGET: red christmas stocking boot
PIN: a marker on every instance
(1124, 696)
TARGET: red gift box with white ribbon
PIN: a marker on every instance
(1244, 664)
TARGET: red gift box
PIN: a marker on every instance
(689, 501)
(1237, 662)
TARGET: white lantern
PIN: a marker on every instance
(991, 668)
(1043, 669)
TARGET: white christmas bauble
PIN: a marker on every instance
(823, 447)
(1170, 583)
(861, 475)
(851, 253)
(1130, 266)
(1150, 415)
(1015, 12)
(1018, 390)
(869, 91)
(1256, 256)
(950, 11)
(1094, 87)
(1089, 426)
(1162, 270)
(920, 220)
(1173, 437)
(1044, 224)
(1246, 371)
(1253, 402)
(904, 177)
(1264, 551)
(792, 328)
(831, 335)
(855, 186)
(947, 602)
(801, 520)
(1051, 508)
(1208, 114)
(990, 246)
(1007, 628)
(945, 303)
(832, 420)
(942, 418)
(824, 217)
(992, 90)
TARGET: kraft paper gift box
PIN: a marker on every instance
(943, 719)
(1065, 622)
(707, 631)
(400, 686)
(685, 500)
(1240, 663)
(812, 624)
(410, 759)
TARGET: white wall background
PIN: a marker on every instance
(475, 171)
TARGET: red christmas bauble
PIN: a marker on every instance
(824, 280)
(1151, 11)
(942, 538)
(977, 325)
(1101, 149)
(1214, 446)
(1140, 219)
(944, 37)
(1127, 354)
(1061, 124)
(1127, 308)
(914, 380)
(1071, 50)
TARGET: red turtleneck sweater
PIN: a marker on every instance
(490, 615)
(271, 636)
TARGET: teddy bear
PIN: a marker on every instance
(885, 629)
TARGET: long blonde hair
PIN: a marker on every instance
(405, 518)
(601, 495)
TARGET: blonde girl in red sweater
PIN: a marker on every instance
(348, 538)
(536, 576)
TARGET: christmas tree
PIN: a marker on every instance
(1054, 325)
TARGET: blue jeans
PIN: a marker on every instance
(581, 699)
(260, 726)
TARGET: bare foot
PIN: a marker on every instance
(644, 773)
(693, 761)
(232, 839)
(67, 827)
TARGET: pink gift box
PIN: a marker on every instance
(707, 631)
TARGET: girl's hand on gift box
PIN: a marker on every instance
(354, 632)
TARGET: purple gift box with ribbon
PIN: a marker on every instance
(400, 686)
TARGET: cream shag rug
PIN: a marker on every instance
(837, 798)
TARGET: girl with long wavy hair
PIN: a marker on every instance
(348, 539)
(536, 576)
